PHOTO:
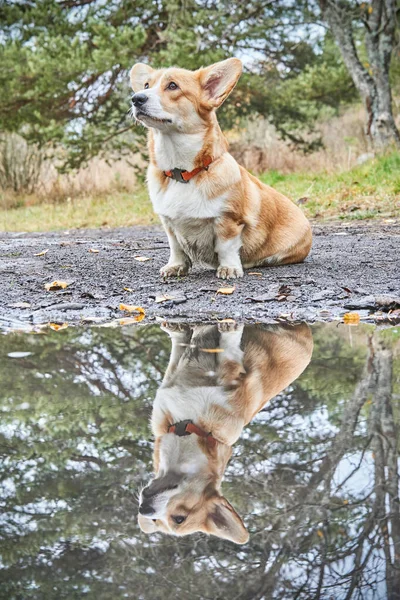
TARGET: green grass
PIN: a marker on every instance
(117, 210)
(365, 192)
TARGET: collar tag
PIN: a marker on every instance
(177, 175)
(180, 428)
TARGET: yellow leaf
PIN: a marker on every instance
(130, 309)
(58, 326)
(370, 10)
(226, 290)
(42, 253)
(141, 258)
(212, 350)
(320, 533)
(351, 318)
(128, 290)
(56, 285)
(94, 250)
(345, 501)
(163, 298)
(131, 320)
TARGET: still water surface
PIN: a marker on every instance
(296, 499)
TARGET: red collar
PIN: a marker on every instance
(187, 427)
(185, 176)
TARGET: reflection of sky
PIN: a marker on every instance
(280, 438)
(354, 475)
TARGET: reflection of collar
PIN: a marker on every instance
(188, 427)
(185, 176)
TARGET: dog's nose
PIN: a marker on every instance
(139, 99)
(146, 509)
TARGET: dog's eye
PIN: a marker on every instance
(146, 86)
(172, 86)
(178, 520)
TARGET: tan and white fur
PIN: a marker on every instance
(220, 392)
(223, 217)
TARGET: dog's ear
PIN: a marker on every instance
(139, 75)
(219, 79)
(224, 522)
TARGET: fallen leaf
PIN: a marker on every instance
(131, 320)
(128, 290)
(20, 305)
(42, 253)
(303, 200)
(163, 298)
(58, 326)
(94, 250)
(351, 318)
(56, 285)
(141, 258)
(262, 298)
(226, 290)
(258, 274)
(18, 354)
(130, 309)
(212, 350)
(284, 290)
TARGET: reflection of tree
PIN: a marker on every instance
(316, 473)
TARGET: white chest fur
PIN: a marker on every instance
(193, 403)
(183, 200)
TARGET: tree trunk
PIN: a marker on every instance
(384, 442)
(372, 79)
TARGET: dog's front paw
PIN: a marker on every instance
(229, 326)
(229, 272)
(174, 270)
(172, 327)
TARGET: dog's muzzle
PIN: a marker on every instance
(139, 99)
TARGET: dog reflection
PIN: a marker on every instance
(217, 379)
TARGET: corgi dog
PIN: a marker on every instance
(213, 211)
(200, 409)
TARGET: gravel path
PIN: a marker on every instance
(351, 265)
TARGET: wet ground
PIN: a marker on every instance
(314, 476)
(350, 268)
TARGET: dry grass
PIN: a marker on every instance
(99, 178)
(366, 191)
(259, 149)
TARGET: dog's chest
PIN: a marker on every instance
(196, 237)
(184, 201)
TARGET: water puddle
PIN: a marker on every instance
(210, 462)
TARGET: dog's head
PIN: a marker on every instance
(184, 496)
(180, 100)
